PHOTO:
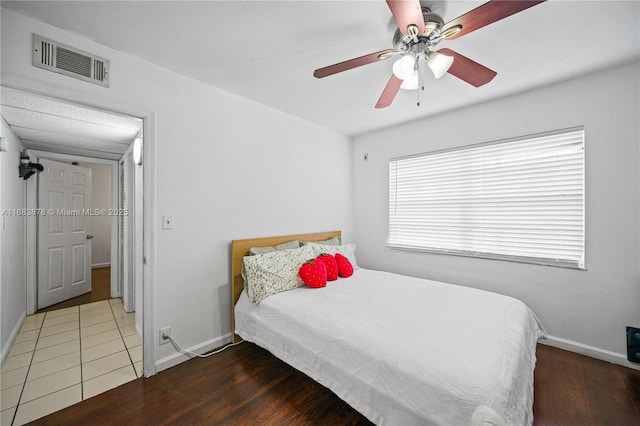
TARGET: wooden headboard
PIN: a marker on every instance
(240, 248)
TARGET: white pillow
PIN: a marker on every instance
(347, 250)
(271, 273)
(284, 246)
(334, 241)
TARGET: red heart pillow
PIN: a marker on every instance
(313, 273)
(345, 269)
(331, 265)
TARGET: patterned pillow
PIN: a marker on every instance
(271, 273)
(347, 250)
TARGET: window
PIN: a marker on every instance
(520, 200)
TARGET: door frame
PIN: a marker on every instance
(32, 235)
(149, 208)
(128, 249)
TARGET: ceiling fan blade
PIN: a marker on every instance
(406, 14)
(468, 70)
(353, 63)
(486, 14)
(389, 93)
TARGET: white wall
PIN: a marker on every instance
(225, 168)
(100, 225)
(12, 268)
(589, 307)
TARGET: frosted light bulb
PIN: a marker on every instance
(439, 63)
(403, 68)
(412, 82)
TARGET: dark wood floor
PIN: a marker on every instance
(100, 290)
(571, 389)
(247, 385)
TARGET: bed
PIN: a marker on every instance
(400, 350)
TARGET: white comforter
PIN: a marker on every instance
(405, 351)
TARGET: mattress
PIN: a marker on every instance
(403, 350)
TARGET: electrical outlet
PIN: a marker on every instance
(165, 333)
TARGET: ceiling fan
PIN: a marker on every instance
(419, 31)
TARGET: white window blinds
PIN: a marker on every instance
(520, 200)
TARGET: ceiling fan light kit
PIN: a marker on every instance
(404, 67)
(419, 31)
(439, 63)
(412, 82)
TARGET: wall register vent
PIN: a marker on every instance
(57, 57)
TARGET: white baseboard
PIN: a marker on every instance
(178, 357)
(12, 338)
(591, 351)
(101, 265)
(557, 342)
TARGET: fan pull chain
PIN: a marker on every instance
(421, 75)
(420, 82)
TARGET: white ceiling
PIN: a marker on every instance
(267, 50)
(50, 125)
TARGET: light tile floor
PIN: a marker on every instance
(62, 357)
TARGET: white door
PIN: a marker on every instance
(64, 241)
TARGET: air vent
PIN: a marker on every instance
(63, 59)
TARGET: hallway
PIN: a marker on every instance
(64, 356)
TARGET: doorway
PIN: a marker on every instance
(61, 145)
(139, 123)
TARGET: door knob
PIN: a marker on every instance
(89, 237)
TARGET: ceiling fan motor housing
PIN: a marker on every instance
(431, 35)
(432, 23)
